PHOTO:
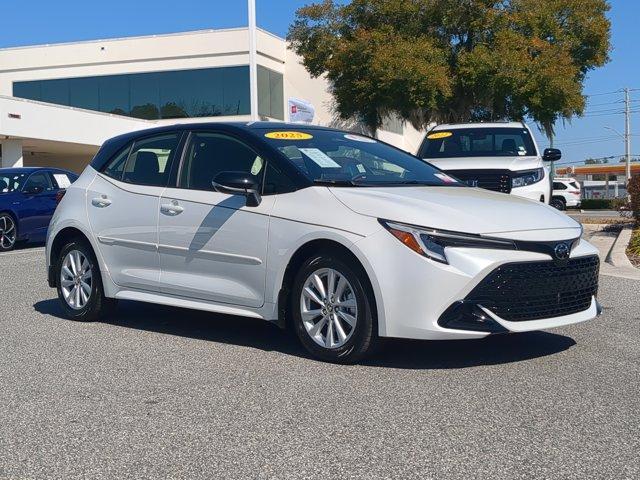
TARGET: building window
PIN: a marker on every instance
(270, 93)
(208, 92)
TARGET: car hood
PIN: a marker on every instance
(460, 209)
(486, 163)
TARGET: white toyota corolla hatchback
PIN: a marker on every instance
(344, 238)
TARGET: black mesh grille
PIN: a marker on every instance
(534, 290)
(496, 180)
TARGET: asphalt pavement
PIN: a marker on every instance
(160, 392)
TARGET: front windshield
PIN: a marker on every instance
(11, 182)
(478, 142)
(339, 158)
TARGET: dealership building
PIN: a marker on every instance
(60, 102)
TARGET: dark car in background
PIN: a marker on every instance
(28, 198)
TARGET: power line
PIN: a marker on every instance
(587, 142)
(604, 93)
(605, 103)
(575, 162)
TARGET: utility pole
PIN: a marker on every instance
(253, 60)
(627, 132)
(552, 167)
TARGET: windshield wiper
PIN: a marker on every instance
(336, 183)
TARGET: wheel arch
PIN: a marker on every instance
(57, 243)
(12, 214)
(302, 253)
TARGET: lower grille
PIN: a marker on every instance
(496, 180)
(533, 290)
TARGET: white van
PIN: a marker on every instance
(502, 157)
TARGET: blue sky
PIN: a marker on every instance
(28, 22)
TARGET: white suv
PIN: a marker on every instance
(566, 193)
(339, 236)
(502, 157)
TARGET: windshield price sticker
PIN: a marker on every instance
(446, 178)
(359, 138)
(437, 135)
(62, 179)
(288, 135)
(319, 157)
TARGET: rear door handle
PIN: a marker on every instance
(101, 201)
(171, 208)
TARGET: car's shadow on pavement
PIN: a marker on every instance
(27, 246)
(395, 353)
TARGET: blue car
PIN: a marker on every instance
(28, 198)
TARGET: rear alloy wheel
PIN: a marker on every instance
(557, 204)
(76, 279)
(8, 232)
(80, 284)
(331, 310)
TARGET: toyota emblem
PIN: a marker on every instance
(562, 251)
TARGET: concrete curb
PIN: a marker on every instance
(617, 257)
(618, 254)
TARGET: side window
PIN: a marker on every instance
(150, 160)
(559, 186)
(115, 167)
(39, 179)
(209, 154)
(276, 182)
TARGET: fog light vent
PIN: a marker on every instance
(469, 316)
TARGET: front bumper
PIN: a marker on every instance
(413, 292)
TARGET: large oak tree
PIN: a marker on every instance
(454, 60)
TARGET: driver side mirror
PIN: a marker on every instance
(551, 155)
(33, 190)
(238, 183)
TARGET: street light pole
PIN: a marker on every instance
(253, 60)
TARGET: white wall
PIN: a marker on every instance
(44, 121)
(201, 49)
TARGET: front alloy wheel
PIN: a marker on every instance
(331, 308)
(328, 308)
(8, 232)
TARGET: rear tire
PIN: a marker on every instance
(558, 203)
(8, 232)
(79, 283)
(331, 308)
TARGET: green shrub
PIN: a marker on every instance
(601, 203)
(634, 244)
(634, 191)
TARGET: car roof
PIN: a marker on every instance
(14, 170)
(116, 144)
(230, 126)
(453, 126)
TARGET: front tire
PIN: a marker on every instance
(331, 309)
(79, 283)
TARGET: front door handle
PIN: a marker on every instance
(101, 202)
(172, 208)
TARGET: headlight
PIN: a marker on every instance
(522, 179)
(431, 243)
